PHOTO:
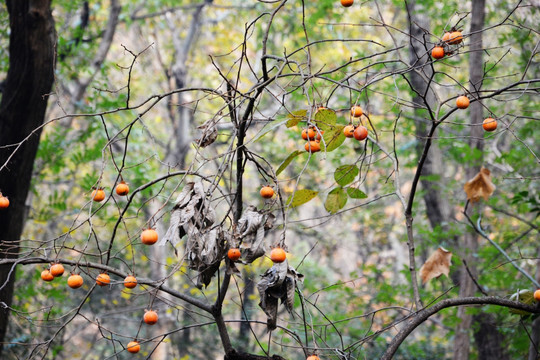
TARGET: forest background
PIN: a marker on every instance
(199, 104)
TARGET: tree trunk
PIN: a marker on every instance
(418, 57)
(488, 339)
(22, 110)
(470, 241)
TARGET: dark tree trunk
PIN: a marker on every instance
(488, 340)
(470, 239)
(22, 110)
(422, 99)
(233, 355)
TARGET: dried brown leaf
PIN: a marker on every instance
(436, 265)
(278, 282)
(480, 186)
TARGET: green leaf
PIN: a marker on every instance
(325, 119)
(295, 117)
(332, 138)
(301, 197)
(336, 200)
(287, 161)
(354, 193)
(267, 128)
(346, 174)
(524, 296)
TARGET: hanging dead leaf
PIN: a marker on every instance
(209, 134)
(436, 265)
(193, 215)
(251, 227)
(480, 186)
(277, 283)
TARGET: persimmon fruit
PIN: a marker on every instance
(234, 254)
(130, 281)
(266, 192)
(46, 275)
(312, 146)
(320, 133)
(446, 36)
(348, 131)
(57, 270)
(150, 317)
(357, 111)
(103, 279)
(133, 347)
(537, 295)
(360, 133)
(122, 188)
(309, 134)
(4, 202)
(437, 52)
(347, 3)
(313, 357)
(75, 281)
(462, 102)
(489, 124)
(278, 255)
(149, 236)
(98, 195)
(456, 37)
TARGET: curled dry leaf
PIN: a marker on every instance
(251, 227)
(209, 134)
(194, 216)
(436, 265)
(480, 186)
(278, 282)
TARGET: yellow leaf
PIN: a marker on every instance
(437, 264)
(479, 186)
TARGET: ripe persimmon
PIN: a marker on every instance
(133, 347)
(489, 124)
(122, 188)
(312, 146)
(356, 111)
(309, 134)
(348, 131)
(360, 133)
(313, 357)
(347, 3)
(103, 279)
(98, 195)
(4, 201)
(537, 295)
(234, 254)
(462, 102)
(437, 52)
(149, 236)
(150, 317)
(75, 281)
(266, 192)
(446, 36)
(46, 275)
(320, 133)
(57, 270)
(278, 255)
(455, 37)
(130, 282)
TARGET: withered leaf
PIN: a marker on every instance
(480, 186)
(251, 228)
(209, 134)
(436, 265)
(193, 215)
(278, 282)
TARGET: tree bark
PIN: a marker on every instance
(476, 142)
(423, 99)
(488, 339)
(22, 110)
